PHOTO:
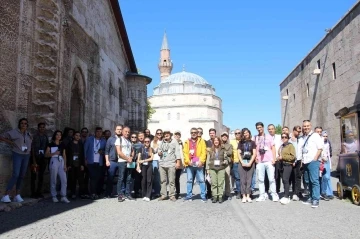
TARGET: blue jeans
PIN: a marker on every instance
(156, 177)
(122, 168)
(312, 170)
(111, 171)
(20, 164)
(236, 174)
(253, 180)
(199, 174)
(326, 180)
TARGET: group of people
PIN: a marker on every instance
(146, 165)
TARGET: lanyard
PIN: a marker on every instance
(217, 154)
(263, 141)
(146, 153)
(246, 147)
(307, 140)
(97, 142)
(24, 135)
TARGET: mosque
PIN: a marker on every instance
(184, 100)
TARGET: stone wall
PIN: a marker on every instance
(318, 98)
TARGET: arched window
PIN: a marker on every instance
(169, 116)
(178, 116)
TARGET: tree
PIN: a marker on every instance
(150, 110)
(278, 129)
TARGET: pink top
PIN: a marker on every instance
(267, 145)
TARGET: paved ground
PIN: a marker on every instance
(106, 218)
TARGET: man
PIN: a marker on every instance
(84, 135)
(94, 150)
(318, 130)
(39, 144)
(125, 154)
(265, 159)
(229, 151)
(111, 160)
(138, 147)
(277, 140)
(310, 147)
(212, 134)
(235, 165)
(148, 134)
(178, 172)
(285, 130)
(107, 134)
(295, 177)
(170, 160)
(194, 161)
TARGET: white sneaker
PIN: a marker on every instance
(285, 201)
(275, 197)
(249, 200)
(147, 199)
(64, 199)
(295, 198)
(6, 199)
(243, 200)
(18, 198)
(262, 198)
(55, 199)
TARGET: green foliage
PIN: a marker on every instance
(278, 129)
(150, 110)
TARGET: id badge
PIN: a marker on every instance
(164, 154)
(145, 163)
(304, 151)
(24, 148)
(266, 148)
(75, 158)
(217, 162)
(41, 151)
(191, 151)
(131, 165)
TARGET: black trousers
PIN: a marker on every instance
(146, 181)
(286, 173)
(137, 181)
(177, 180)
(75, 175)
(278, 172)
(95, 171)
(41, 162)
(86, 180)
(297, 178)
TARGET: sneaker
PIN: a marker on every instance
(144, 198)
(147, 199)
(204, 200)
(285, 201)
(6, 199)
(64, 200)
(330, 197)
(275, 197)
(187, 199)
(324, 197)
(308, 201)
(121, 198)
(228, 198)
(214, 200)
(55, 200)
(173, 198)
(262, 198)
(162, 198)
(18, 198)
(129, 198)
(295, 198)
(243, 200)
(249, 200)
(315, 204)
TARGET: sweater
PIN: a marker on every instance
(288, 153)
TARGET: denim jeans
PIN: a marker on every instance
(312, 170)
(198, 173)
(156, 177)
(270, 170)
(20, 164)
(236, 175)
(326, 180)
(122, 168)
(111, 171)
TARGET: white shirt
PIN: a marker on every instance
(313, 144)
(156, 156)
(125, 146)
(277, 142)
(96, 150)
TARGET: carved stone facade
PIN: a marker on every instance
(67, 63)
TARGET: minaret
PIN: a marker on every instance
(165, 64)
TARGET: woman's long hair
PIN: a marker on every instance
(213, 145)
(53, 138)
(243, 140)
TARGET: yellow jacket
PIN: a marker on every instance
(200, 151)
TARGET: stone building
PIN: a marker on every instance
(183, 100)
(326, 80)
(67, 63)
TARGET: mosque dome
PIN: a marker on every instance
(184, 83)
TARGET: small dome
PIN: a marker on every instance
(182, 83)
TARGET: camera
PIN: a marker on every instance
(262, 151)
(247, 155)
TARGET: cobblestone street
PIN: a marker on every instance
(106, 218)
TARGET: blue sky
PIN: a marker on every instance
(243, 48)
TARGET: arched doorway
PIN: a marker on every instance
(77, 102)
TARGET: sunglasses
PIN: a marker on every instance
(159, 133)
(194, 132)
(237, 133)
(284, 137)
(134, 137)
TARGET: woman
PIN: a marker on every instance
(75, 165)
(327, 192)
(20, 141)
(56, 152)
(144, 163)
(155, 144)
(287, 156)
(246, 154)
(350, 145)
(217, 164)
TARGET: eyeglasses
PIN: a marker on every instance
(237, 133)
(147, 141)
(133, 137)
(194, 132)
(284, 137)
(158, 133)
